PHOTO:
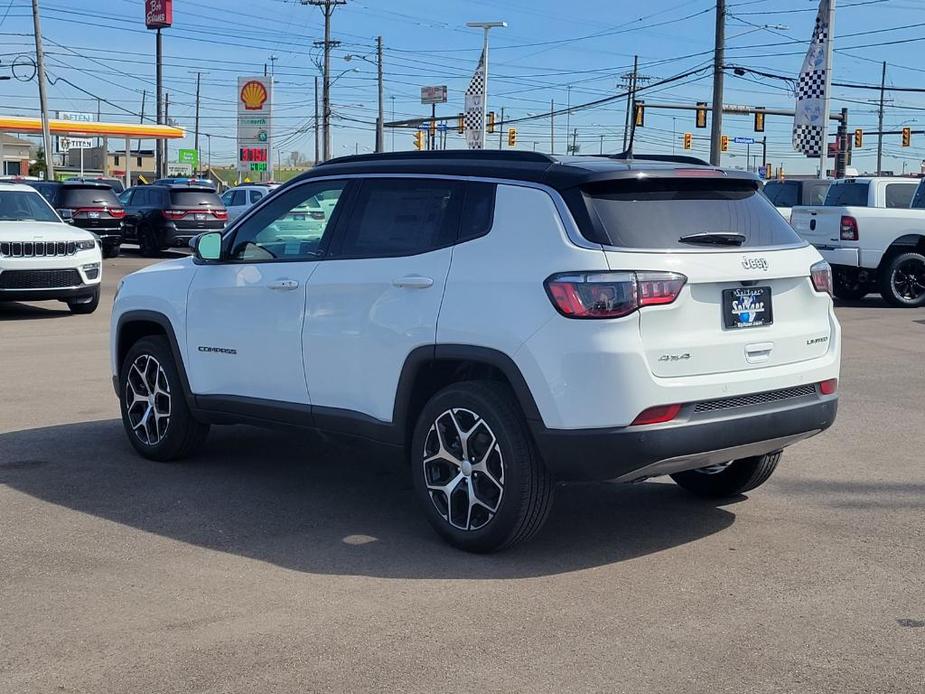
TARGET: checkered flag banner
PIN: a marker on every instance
(809, 120)
(475, 97)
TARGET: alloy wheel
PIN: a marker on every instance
(909, 279)
(463, 469)
(147, 399)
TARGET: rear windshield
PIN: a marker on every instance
(195, 198)
(18, 206)
(90, 196)
(783, 193)
(852, 194)
(814, 192)
(49, 191)
(655, 214)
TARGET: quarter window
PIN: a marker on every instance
(398, 217)
(289, 228)
(900, 194)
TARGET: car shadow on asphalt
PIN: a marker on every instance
(287, 499)
(19, 311)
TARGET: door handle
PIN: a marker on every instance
(283, 285)
(413, 282)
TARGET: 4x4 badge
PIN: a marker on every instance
(755, 263)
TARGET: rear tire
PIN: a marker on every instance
(902, 281)
(848, 287)
(82, 306)
(147, 242)
(738, 477)
(475, 469)
(155, 413)
(112, 251)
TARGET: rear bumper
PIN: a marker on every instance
(849, 257)
(695, 440)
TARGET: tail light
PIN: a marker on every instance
(848, 229)
(173, 215)
(220, 214)
(611, 294)
(117, 212)
(821, 275)
(657, 415)
(828, 387)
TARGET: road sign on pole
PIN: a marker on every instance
(744, 140)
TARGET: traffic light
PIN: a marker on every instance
(858, 138)
(433, 128)
(511, 137)
(639, 114)
(491, 121)
(419, 139)
(907, 137)
(701, 114)
(688, 140)
(759, 120)
(461, 123)
(724, 143)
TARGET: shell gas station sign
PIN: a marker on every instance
(255, 100)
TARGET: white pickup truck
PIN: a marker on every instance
(872, 232)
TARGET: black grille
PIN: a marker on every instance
(39, 279)
(37, 249)
(756, 398)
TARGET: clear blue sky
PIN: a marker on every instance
(102, 47)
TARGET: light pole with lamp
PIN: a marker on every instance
(380, 119)
(485, 27)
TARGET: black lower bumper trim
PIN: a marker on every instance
(63, 294)
(633, 452)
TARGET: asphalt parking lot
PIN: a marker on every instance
(278, 563)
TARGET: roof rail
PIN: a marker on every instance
(675, 158)
(445, 154)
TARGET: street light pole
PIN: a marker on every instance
(327, 8)
(485, 27)
(380, 121)
(43, 97)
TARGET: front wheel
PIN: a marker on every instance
(155, 414)
(902, 282)
(148, 244)
(729, 479)
(476, 472)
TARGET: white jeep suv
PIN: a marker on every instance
(43, 258)
(506, 320)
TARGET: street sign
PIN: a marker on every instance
(177, 169)
(744, 140)
(188, 156)
(433, 95)
(255, 101)
(158, 14)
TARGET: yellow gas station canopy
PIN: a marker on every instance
(17, 124)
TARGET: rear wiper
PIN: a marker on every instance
(715, 238)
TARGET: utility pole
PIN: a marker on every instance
(568, 115)
(327, 8)
(764, 150)
(501, 130)
(317, 124)
(144, 94)
(630, 79)
(196, 127)
(43, 97)
(880, 122)
(575, 141)
(719, 58)
(160, 144)
(166, 122)
(380, 121)
(602, 144)
(552, 126)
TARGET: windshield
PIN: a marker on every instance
(195, 198)
(86, 196)
(20, 206)
(655, 214)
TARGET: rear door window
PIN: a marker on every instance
(899, 194)
(655, 213)
(255, 195)
(401, 217)
(783, 193)
(853, 194)
(78, 196)
(195, 199)
(918, 201)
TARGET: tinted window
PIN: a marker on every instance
(900, 194)
(19, 206)
(125, 197)
(401, 217)
(853, 194)
(287, 228)
(783, 193)
(194, 198)
(814, 192)
(49, 191)
(238, 198)
(918, 201)
(657, 213)
(79, 196)
(478, 212)
(140, 198)
(255, 196)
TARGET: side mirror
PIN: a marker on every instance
(207, 246)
